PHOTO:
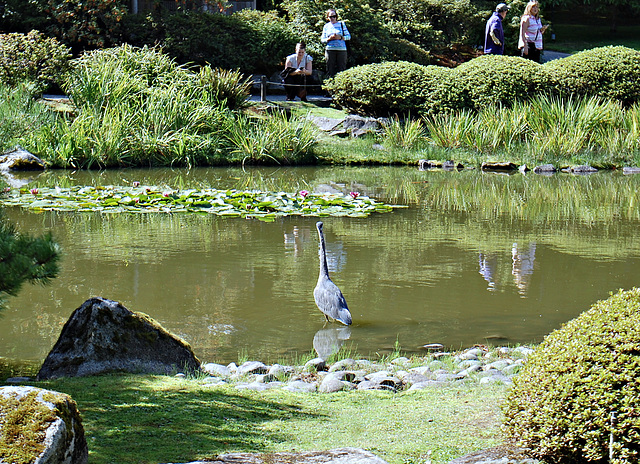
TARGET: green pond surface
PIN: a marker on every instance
(476, 258)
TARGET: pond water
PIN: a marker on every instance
(476, 258)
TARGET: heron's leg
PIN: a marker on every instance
(326, 317)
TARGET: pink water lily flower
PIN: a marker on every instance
(34, 191)
(136, 184)
(304, 193)
(7, 189)
(354, 195)
(166, 194)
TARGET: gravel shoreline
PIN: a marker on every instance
(480, 364)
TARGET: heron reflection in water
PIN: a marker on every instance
(328, 296)
(329, 341)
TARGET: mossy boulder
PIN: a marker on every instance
(103, 336)
(40, 426)
(578, 397)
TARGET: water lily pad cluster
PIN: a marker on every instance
(266, 206)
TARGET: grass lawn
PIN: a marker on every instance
(153, 419)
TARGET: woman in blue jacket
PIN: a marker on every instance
(334, 35)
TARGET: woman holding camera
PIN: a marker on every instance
(300, 66)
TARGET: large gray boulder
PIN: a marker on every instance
(44, 427)
(102, 336)
(19, 159)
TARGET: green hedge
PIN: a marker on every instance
(496, 79)
(609, 72)
(393, 87)
(380, 89)
(561, 404)
(32, 58)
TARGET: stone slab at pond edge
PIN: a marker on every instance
(334, 456)
(104, 336)
(40, 427)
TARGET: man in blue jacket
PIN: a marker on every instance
(494, 34)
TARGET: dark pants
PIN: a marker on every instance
(296, 86)
(533, 53)
(336, 61)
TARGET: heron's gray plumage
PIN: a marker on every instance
(328, 296)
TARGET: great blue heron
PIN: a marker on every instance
(328, 296)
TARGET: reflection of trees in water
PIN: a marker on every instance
(328, 341)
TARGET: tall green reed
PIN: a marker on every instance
(276, 139)
(407, 134)
(20, 115)
(543, 129)
(137, 107)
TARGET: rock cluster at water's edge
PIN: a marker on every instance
(482, 365)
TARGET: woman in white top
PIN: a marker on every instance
(295, 82)
(531, 30)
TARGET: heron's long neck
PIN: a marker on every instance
(323, 258)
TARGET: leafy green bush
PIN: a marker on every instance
(562, 403)
(434, 23)
(88, 23)
(250, 41)
(609, 72)
(23, 16)
(405, 50)
(496, 79)
(32, 58)
(394, 87)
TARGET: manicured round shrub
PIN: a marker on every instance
(562, 402)
(394, 87)
(496, 79)
(609, 72)
(32, 58)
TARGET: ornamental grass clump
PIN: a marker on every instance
(578, 397)
(136, 106)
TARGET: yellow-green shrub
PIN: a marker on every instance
(394, 87)
(609, 72)
(562, 402)
(32, 58)
(497, 79)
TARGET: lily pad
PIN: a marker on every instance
(266, 206)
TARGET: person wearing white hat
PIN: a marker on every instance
(494, 33)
